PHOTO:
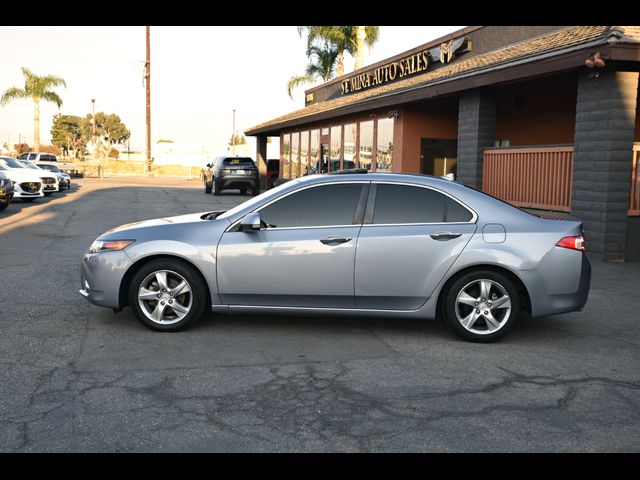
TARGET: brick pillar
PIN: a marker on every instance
(476, 131)
(261, 160)
(605, 122)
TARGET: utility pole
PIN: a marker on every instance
(147, 77)
(233, 135)
(93, 124)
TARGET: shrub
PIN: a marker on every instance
(114, 153)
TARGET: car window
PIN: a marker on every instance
(32, 156)
(407, 204)
(454, 212)
(23, 156)
(244, 162)
(315, 207)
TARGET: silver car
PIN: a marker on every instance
(351, 244)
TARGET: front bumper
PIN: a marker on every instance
(101, 275)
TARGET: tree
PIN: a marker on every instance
(109, 131)
(321, 65)
(20, 148)
(236, 139)
(37, 88)
(66, 133)
(351, 39)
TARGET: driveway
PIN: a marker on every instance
(75, 377)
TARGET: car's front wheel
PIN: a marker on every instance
(167, 295)
(482, 306)
(3, 206)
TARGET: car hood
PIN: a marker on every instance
(22, 175)
(160, 222)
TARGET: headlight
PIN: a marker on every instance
(1, 182)
(109, 245)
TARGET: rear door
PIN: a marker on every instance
(410, 238)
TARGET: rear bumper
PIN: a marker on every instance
(237, 181)
(561, 284)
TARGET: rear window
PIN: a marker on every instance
(241, 162)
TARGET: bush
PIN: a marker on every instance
(20, 148)
(50, 149)
(114, 153)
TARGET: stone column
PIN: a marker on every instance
(261, 159)
(476, 131)
(605, 122)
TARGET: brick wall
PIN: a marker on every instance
(476, 131)
(604, 133)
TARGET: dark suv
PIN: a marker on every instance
(6, 191)
(232, 172)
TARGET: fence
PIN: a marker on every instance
(532, 177)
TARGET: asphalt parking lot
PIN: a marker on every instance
(75, 377)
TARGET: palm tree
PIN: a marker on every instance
(321, 65)
(37, 88)
(352, 39)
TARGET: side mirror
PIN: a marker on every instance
(250, 222)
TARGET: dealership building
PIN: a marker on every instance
(544, 117)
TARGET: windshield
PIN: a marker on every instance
(249, 203)
(12, 162)
(30, 165)
(3, 166)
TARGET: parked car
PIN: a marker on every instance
(64, 179)
(36, 157)
(371, 244)
(27, 184)
(6, 191)
(231, 172)
(273, 172)
(50, 182)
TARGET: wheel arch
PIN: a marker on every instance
(525, 298)
(123, 293)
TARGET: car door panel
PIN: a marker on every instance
(309, 267)
(399, 266)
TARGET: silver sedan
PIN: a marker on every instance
(350, 244)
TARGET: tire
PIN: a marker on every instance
(172, 272)
(216, 190)
(243, 191)
(207, 187)
(478, 315)
(3, 206)
(28, 199)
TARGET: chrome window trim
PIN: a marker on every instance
(232, 226)
(474, 214)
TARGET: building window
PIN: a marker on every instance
(385, 145)
(314, 151)
(335, 149)
(365, 152)
(350, 145)
(295, 159)
(325, 131)
(285, 141)
(304, 152)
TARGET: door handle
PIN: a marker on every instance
(335, 240)
(444, 235)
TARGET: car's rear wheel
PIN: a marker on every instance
(167, 295)
(207, 187)
(216, 189)
(3, 206)
(482, 306)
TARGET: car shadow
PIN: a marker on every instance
(18, 205)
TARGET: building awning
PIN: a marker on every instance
(549, 45)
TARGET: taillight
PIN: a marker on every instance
(574, 243)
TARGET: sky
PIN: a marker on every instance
(199, 75)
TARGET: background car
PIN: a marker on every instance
(64, 179)
(67, 167)
(359, 244)
(27, 184)
(230, 173)
(6, 191)
(50, 182)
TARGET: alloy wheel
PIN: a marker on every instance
(483, 306)
(165, 297)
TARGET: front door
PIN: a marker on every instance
(305, 255)
(412, 239)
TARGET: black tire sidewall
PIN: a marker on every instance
(450, 299)
(198, 291)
